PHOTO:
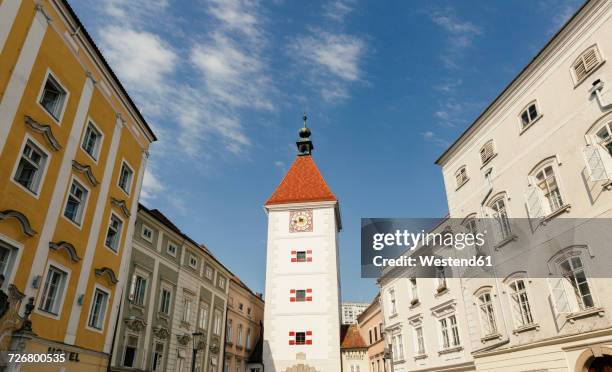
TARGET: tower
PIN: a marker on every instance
(302, 316)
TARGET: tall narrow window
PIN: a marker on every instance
(158, 355)
(392, 301)
(138, 289)
(440, 279)
(420, 341)
(500, 218)
(228, 331)
(165, 301)
(547, 182)
(31, 167)
(239, 335)
(604, 137)
(7, 257)
(203, 316)
(487, 152)
(53, 290)
(449, 332)
(98, 309)
(248, 339)
(186, 310)
(113, 234)
(520, 303)
(91, 141)
(53, 97)
(487, 315)
(129, 354)
(125, 178)
(217, 322)
(75, 205)
(573, 271)
(414, 292)
(461, 176)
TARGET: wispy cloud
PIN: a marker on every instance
(560, 11)
(151, 185)
(434, 138)
(332, 59)
(337, 10)
(461, 35)
(449, 85)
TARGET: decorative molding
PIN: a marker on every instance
(183, 339)
(69, 248)
(21, 218)
(161, 332)
(110, 274)
(135, 324)
(86, 170)
(121, 204)
(45, 130)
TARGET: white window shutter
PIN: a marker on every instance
(533, 198)
(594, 160)
(132, 288)
(558, 296)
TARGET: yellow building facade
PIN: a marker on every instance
(73, 149)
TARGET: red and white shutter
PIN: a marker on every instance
(309, 294)
(308, 256)
(292, 295)
(308, 337)
(291, 338)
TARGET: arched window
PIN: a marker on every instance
(529, 115)
(487, 152)
(499, 214)
(586, 63)
(519, 300)
(598, 153)
(544, 196)
(604, 137)
(461, 176)
(487, 313)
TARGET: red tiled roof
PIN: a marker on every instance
(351, 338)
(302, 183)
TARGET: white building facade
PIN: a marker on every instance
(351, 310)
(540, 154)
(302, 317)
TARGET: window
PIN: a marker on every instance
(520, 303)
(414, 291)
(53, 290)
(500, 219)
(129, 354)
(398, 347)
(573, 273)
(158, 355)
(586, 63)
(165, 300)
(301, 256)
(187, 309)
(392, 301)
(604, 137)
(113, 234)
(300, 295)
(240, 307)
(98, 309)
(300, 338)
(31, 167)
(370, 333)
(239, 335)
(461, 176)
(92, 141)
(171, 249)
(217, 322)
(248, 339)
(147, 233)
(226, 366)
(487, 152)
(209, 273)
(449, 332)
(546, 181)
(53, 97)
(529, 115)
(440, 279)
(75, 205)
(487, 315)
(7, 258)
(419, 340)
(138, 289)
(375, 334)
(203, 316)
(125, 178)
(221, 282)
(228, 331)
(193, 261)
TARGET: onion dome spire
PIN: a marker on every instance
(304, 144)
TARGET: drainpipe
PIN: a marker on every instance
(112, 349)
(596, 90)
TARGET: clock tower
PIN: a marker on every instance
(302, 316)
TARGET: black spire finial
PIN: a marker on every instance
(304, 143)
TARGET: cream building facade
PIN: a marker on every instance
(371, 326)
(351, 310)
(534, 171)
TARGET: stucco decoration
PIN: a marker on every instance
(161, 332)
(135, 324)
(67, 247)
(86, 170)
(45, 130)
(21, 218)
(121, 205)
(183, 339)
(110, 274)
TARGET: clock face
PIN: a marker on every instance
(300, 221)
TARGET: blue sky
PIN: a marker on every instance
(386, 85)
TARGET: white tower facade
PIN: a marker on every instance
(302, 316)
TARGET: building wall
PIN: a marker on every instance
(354, 360)
(370, 320)
(245, 309)
(321, 316)
(35, 41)
(351, 310)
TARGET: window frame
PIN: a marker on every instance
(193, 261)
(534, 182)
(15, 250)
(107, 292)
(486, 312)
(84, 203)
(171, 244)
(164, 287)
(459, 183)
(65, 99)
(125, 163)
(62, 298)
(119, 234)
(419, 340)
(515, 292)
(98, 146)
(40, 181)
(126, 345)
(217, 321)
(488, 145)
(452, 332)
(204, 307)
(523, 127)
(133, 286)
(577, 81)
(142, 232)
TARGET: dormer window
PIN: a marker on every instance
(461, 176)
(529, 115)
(586, 63)
(487, 152)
